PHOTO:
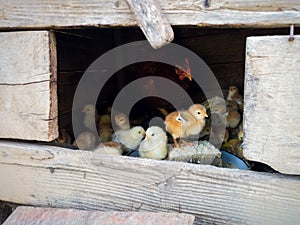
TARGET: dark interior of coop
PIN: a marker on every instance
(223, 50)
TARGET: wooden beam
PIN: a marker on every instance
(57, 177)
(28, 98)
(272, 107)
(27, 215)
(67, 13)
(152, 21)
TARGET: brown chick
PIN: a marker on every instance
(122, 121)
(175, 126)
(105, 134)
(186, 123)
(206, 130)
(233, 119)
(85, 141)
(64, 137)
(219, 136)
(234, 95)
(91, 116)
(104, 121)
(232, 105)
(105, 131)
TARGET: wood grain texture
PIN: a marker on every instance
(57, 177)
(65, 13)
(28, 89)
(272, 107)
(28, 215)
(152, 21)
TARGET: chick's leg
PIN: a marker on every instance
(176, 145)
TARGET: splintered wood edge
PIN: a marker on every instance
(53, 132)
(152, 21)
(57, 177)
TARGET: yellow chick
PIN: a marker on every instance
(91, 116)
(85, 141)
(122, 121)
(186, 123)
(195, 117)
(154, 146)
(63, 137)
(130, 138)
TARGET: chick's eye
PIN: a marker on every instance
(152, 135)
(140, 132)
(198, 113)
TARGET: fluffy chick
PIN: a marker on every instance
(104, 130)
(91, 116)
(104, 121)
(154, 146)
(85, 141)
(105, 134)
(186, 123)
(233, 119)
(109, 148)
(130, 138)
(232, 105)
(195, 116)
(175, 125)
(234, 95)
(63, 137)
(122, 121)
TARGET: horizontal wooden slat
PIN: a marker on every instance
(51, 176)
(28, 98)
(233, 13)
(27, 215)
(272, 107)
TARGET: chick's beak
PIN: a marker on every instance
(188, 76)
(206, 115)
(147, 137)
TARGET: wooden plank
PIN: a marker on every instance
(152, 21)
(28, 215)
(57, 177)
(272, 107)
(65, 13)
(28, 98)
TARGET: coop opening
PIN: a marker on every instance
(223, 51)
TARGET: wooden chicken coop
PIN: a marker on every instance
(47, 45)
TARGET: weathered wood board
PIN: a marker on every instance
(28, 215)
(272, 106)
(152, 21)
(64, 13)
(28, 92)
(57, 177)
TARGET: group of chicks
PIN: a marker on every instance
(228, 114)
(182, 125)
